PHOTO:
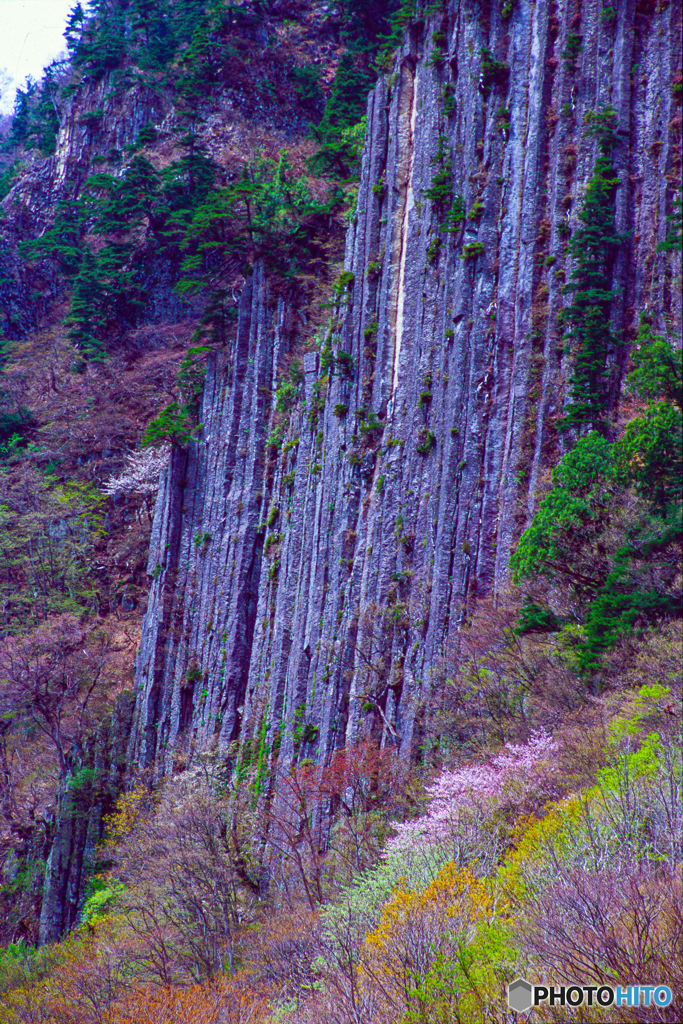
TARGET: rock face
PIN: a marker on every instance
(96, 780)
(301, 595)
(25, 296)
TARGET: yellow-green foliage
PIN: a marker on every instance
(441, 951)
(467, 984)
(447, 950)
(129, 809)
(632, 811)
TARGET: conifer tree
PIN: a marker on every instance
(86, 316)
(61, 241)
(591, 246)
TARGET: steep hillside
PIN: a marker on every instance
(340, 447)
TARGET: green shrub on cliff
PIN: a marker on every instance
(613, 556)
(650, 453)
(175, 423)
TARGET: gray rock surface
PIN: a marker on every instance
(95, 781)
(302, 596)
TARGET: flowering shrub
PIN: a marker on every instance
(141, 472)
(457, 795)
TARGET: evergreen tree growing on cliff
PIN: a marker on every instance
(86, 318)
(339, 152)
(592, 246)
(96, 45)
(62, 241)
(614, 554)
(367, 28)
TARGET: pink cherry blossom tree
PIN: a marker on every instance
(461, 800)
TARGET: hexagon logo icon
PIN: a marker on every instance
(520, 995)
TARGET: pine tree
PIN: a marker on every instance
(87, 316)
(61, 241)
(345, 108)
(592, 246)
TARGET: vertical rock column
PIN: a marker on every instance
(321, 582)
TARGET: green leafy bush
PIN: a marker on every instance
(175, 423)
(285, 396)
(600, 547)
(426, 441)
(572, 513)
(471, 251)
(345, 362)
(571, 51)
(440, 189)
(650, 453)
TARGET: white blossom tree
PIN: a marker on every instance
(140, 475)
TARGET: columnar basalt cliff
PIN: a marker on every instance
(78, 825)
(304, 587)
